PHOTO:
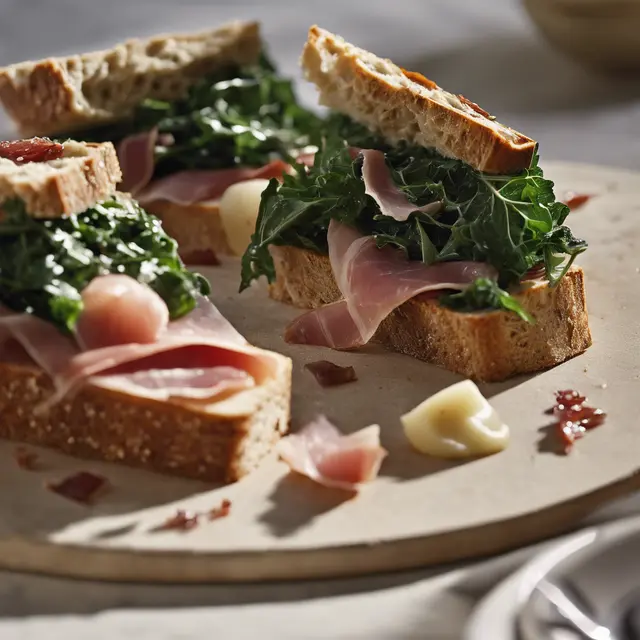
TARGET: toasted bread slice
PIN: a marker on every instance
(85, 174)
(197, 228)
(216, 442)
(403, 105)
(60, 95)
(485, 346)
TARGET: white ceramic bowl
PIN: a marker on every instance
(601, 34)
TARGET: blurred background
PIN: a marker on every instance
(581, 107)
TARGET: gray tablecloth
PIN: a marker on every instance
(485, 50)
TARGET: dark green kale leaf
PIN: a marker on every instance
(485, 294)
(511, 222)
(237, 116)
(45, 264)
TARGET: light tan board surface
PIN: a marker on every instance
(420, 511)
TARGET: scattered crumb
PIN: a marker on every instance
(80, 487)
(183, 520)
(222, 511)
(573, 418)
(26, 459)
(329, 374)
(604, 385)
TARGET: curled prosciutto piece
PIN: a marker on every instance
(120, 310)
(374, 281)
(320, 452)
(379, 184)
(136, 156)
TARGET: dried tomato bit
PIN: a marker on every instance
(574, 418)
(477, 108)
(222, 511)
(32, 150)
(569, 397)
(576, 200)
(80, 487)
(26, 459)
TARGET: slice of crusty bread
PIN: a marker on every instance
(86, 174)
(59, 95)
(221, 442)
(197, 228)
(403, 105)
(486, 346)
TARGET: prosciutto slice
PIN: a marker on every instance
(378, 183)
(194, 384)
(373, 283)
(189, 187)
(320, 452)
(136, 154)
(195, 358)
(137, 160)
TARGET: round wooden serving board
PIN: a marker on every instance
(420, 511)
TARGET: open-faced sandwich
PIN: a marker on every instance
(424, 225)
(190, 115)
(109, 347)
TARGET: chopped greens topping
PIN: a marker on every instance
(511, 222)
(485, 294)
(45, 264)
(237, 116)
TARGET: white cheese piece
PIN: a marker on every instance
(456, 422)
(239, 211)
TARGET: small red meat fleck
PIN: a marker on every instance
(329, 374)
(220, 512)
(205, 257)
(536, 272)
(576, 200)
(26, 459)
(32, 150)
(80, 487)
(181, 520)
(573, 417)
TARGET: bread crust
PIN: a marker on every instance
(487, 346)
(106, 425)
(197, 228)
(87, 173)
(404, 105)
(60, 95)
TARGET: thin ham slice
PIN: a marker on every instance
(189, 187)
(320, 452)
(195, 358)
(373, 283)
(136, 154)
(137, 160)
(194, 384)
(391, 200)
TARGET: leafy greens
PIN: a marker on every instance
(45, 264)
(511, 222)
(237, 116)
(485, 294)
